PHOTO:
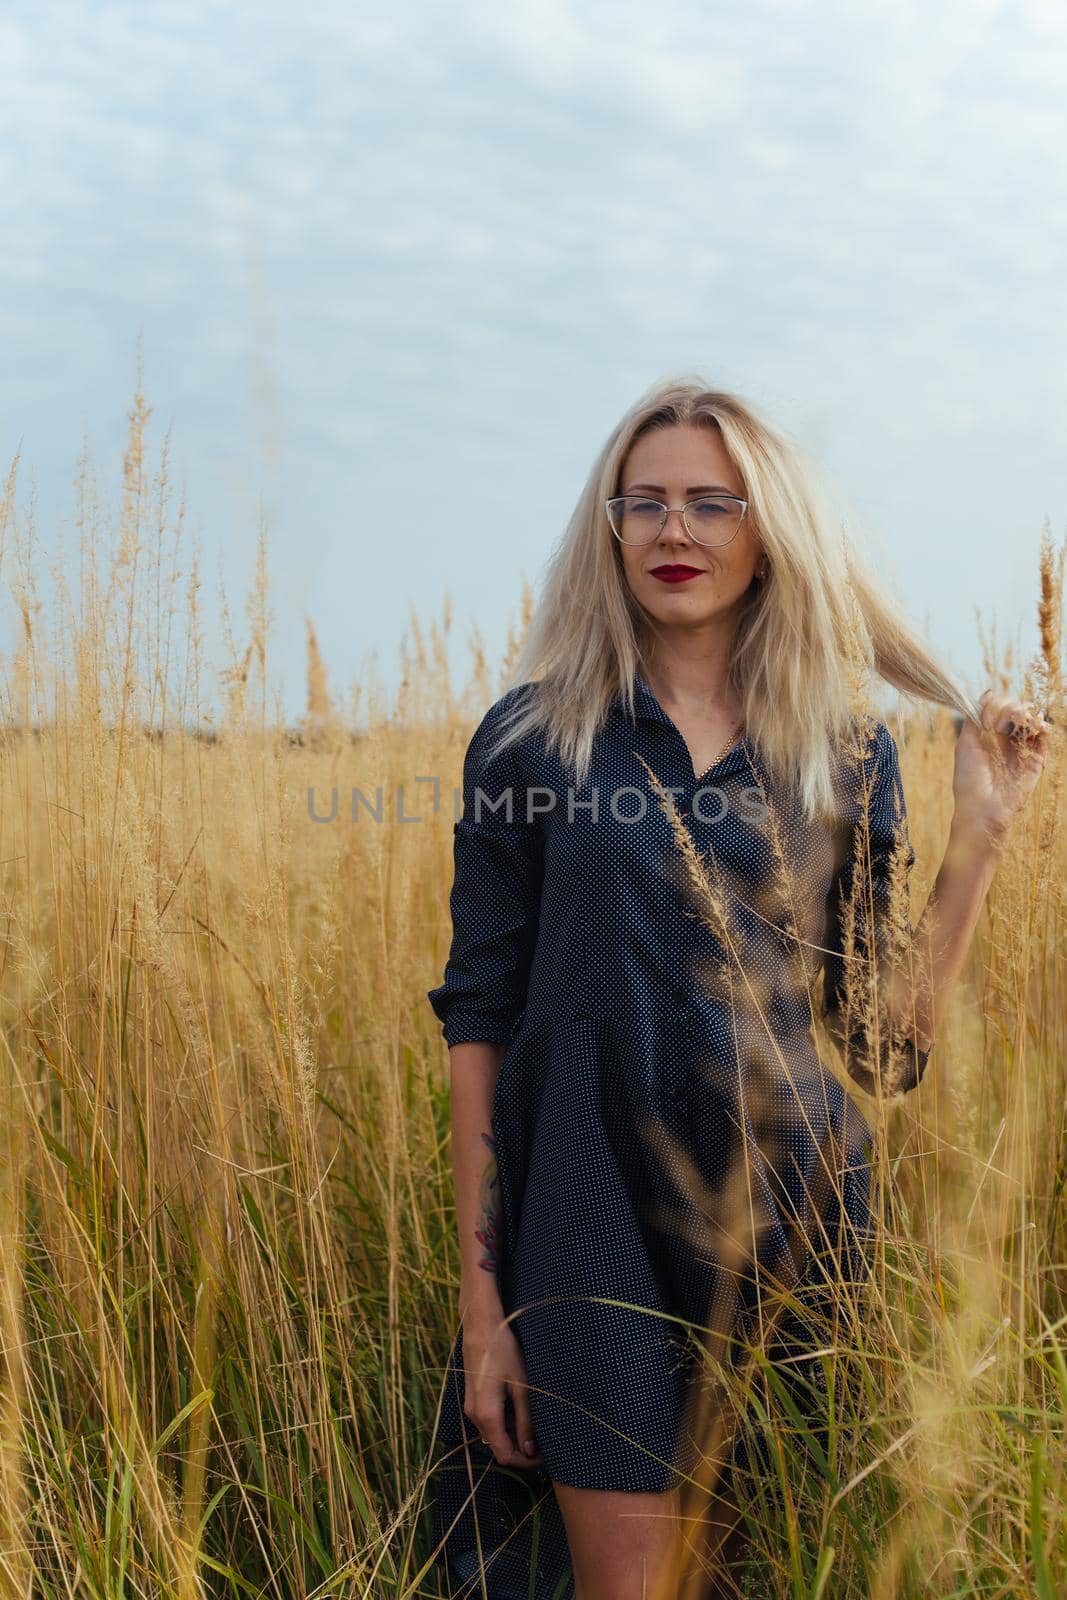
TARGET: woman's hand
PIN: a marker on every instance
(998, 764)
(493, 1367)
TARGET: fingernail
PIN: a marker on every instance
(529, 1447)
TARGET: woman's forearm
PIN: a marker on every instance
(943, 934)
(474, 1068)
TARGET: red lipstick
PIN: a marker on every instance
(674, 574)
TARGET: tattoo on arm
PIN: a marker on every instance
(489, 1231)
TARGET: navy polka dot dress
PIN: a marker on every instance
(660, 1072)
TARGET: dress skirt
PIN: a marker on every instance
(616, 1257)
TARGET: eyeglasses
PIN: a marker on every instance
(712, 520)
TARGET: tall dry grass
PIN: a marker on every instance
(229, 1258)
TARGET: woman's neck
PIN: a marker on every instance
(694, 681)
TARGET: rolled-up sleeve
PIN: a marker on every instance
(495, 898)
(865, 939)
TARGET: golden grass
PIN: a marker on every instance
(229, 1261)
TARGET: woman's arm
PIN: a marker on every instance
(494, 1369)
(997, 765)
(495, 909)
(943, 934)
(474, 1069)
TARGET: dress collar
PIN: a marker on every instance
(648, 709)
(646, 705)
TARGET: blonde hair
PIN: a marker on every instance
(808, 637)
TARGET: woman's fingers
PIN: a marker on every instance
(1035, 724)
(1013, 719)
(1000, 760)
(1027, 726)
(495, 1372)
(491, 1427)
(524, 1433)
(492, 1430)
(995, 711)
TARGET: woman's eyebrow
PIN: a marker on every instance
(698, 488)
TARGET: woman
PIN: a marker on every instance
(662, 824)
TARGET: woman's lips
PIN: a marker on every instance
(675, 574)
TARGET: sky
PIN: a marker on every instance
(394, 272)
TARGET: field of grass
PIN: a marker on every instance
(229, 1259)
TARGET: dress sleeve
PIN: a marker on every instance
(865, 937)
(495, 899)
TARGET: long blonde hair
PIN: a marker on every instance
(808, 637)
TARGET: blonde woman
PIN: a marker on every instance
(679, 818)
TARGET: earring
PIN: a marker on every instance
(764, 568)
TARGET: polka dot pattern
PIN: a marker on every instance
(660, 1098)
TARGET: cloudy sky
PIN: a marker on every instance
(397, 269)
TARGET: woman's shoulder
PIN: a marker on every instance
(867, 778)
(498, 717)
(490, 744)
(519, 694)
(868, 743)
(883, 755)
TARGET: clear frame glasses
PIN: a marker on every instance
(713, 519)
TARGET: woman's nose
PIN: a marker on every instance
(678, 526)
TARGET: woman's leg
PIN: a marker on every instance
(619, 1541)
(630, 1546)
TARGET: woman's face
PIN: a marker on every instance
(676, 464)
